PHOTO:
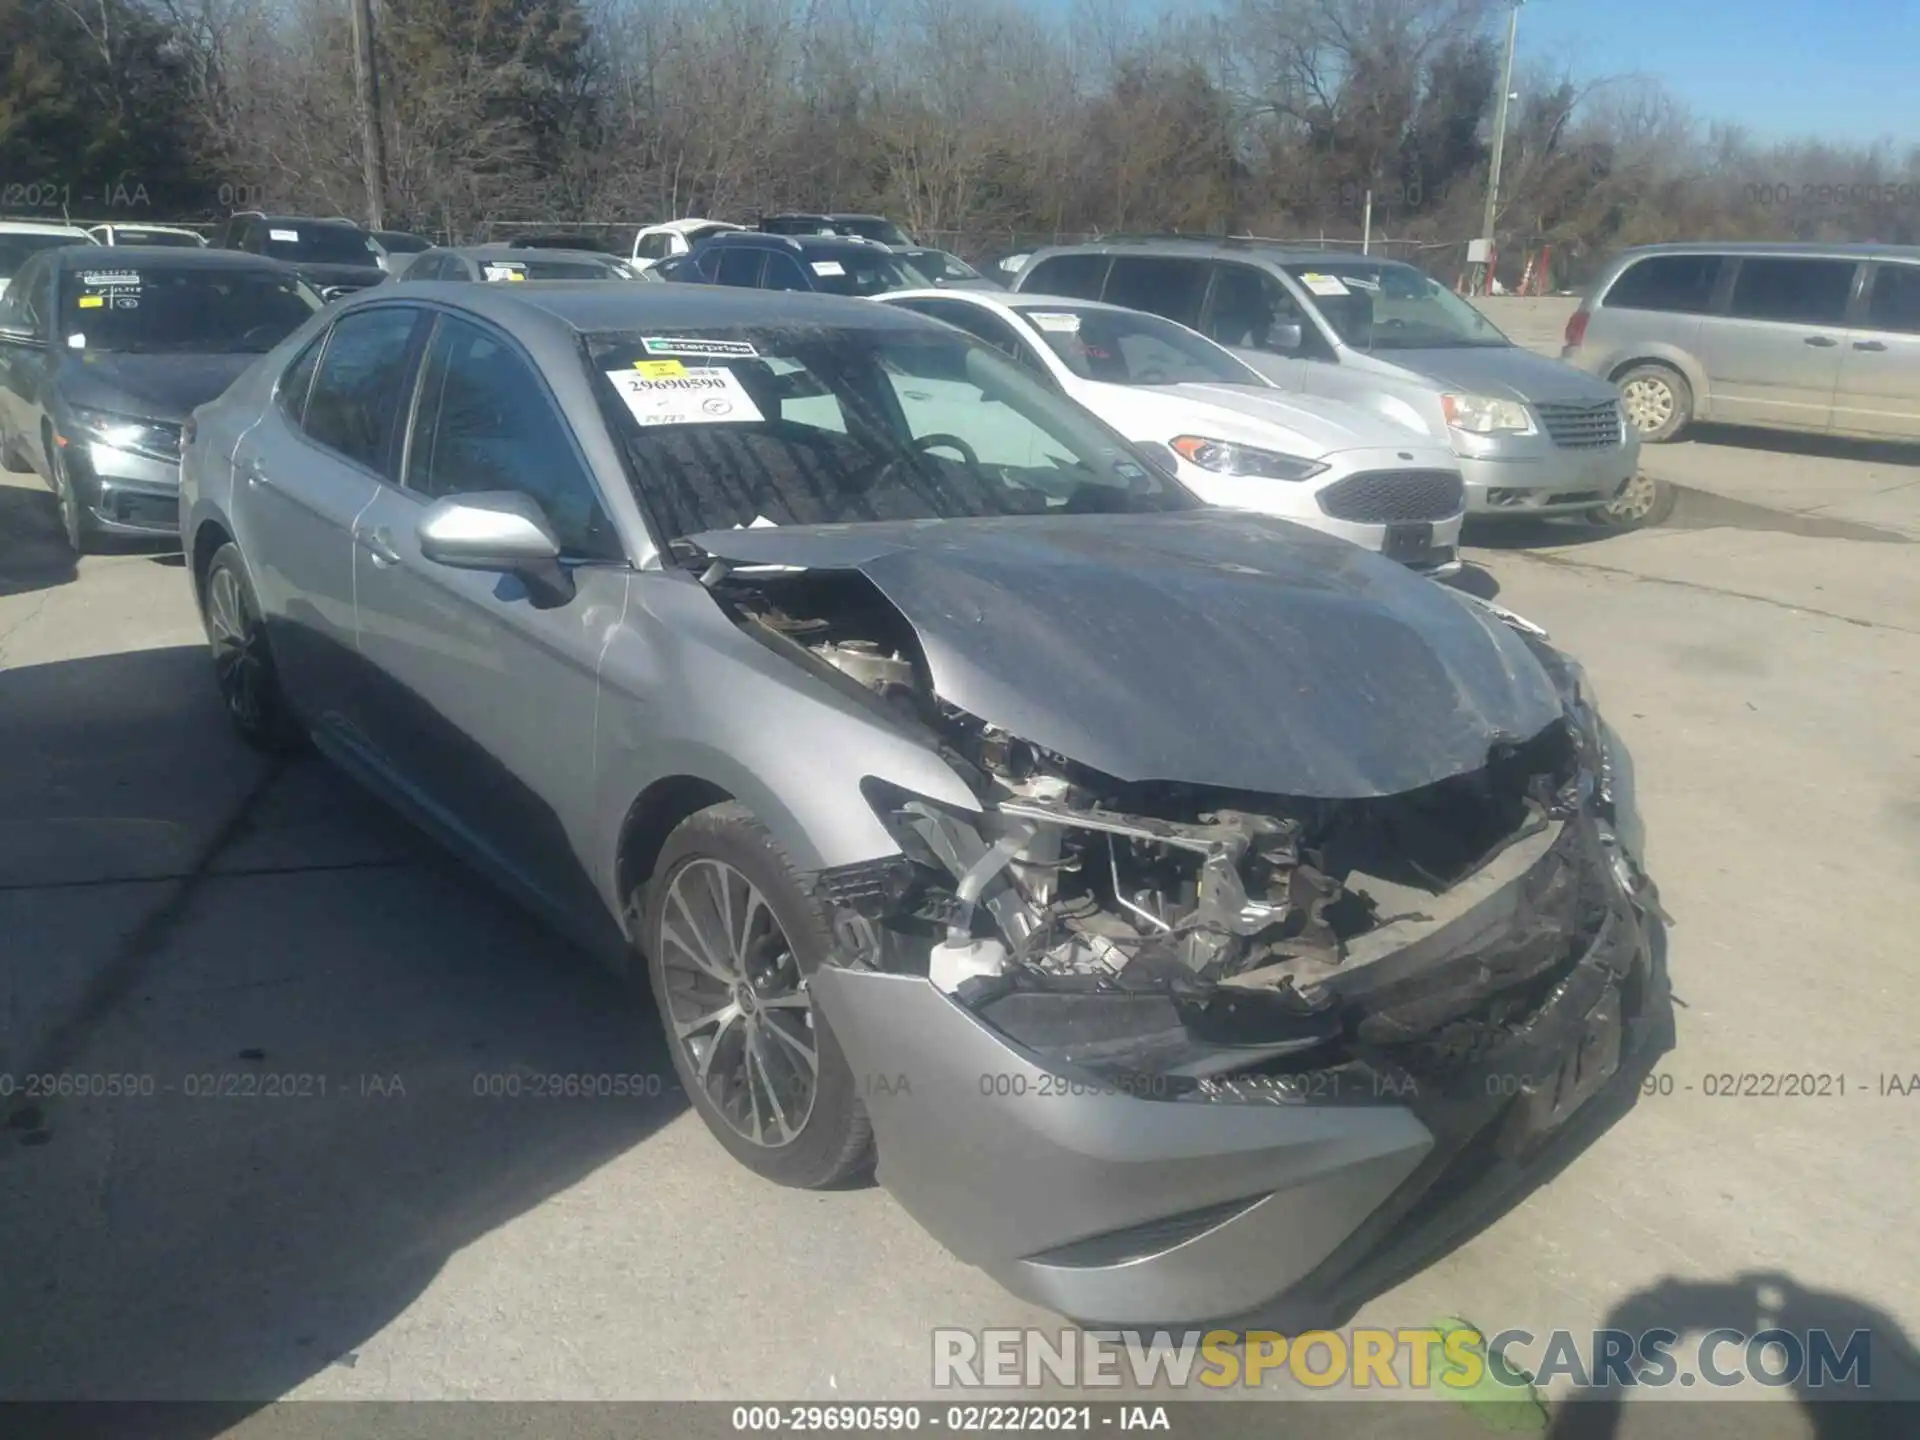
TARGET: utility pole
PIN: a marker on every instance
(373, 138)
(1499, 143)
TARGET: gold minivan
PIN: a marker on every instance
(1817, 338)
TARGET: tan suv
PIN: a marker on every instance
(1818, 338)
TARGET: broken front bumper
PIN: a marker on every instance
(1142, 1202)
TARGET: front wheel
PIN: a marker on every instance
(732, 940)
(243, 666)
(1643, 502)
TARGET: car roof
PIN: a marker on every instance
(178, 257)
(681, 227)
(518, 255)
(1005, 300)
(829, 244)
(1214, 246)
(340, 221)
(40, 227)
(593, 307)
(142, 225)
(1846, 250)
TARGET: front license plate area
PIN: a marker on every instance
(1409, 542)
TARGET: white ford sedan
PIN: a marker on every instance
(1234, 437)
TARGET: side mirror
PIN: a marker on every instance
(502, 531)
(1285, 336)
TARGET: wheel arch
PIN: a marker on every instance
(654, 815)
(207, 540)
(1667, 358)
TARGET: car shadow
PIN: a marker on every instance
(1693, 510)
(1476, 580)
(1789, 442)
(1853, 1404)
(301, 1060)
(34, 554)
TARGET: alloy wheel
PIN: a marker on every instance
(1635, 502)
(239, 650)
(1649, 403)
(737, 1003)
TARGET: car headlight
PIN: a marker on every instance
(1224, 457)
(152, 438)
(1485, 415)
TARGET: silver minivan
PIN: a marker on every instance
(1533, 436)
(1816, 338)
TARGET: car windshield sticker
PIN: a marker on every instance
(660, 369)
(1056, 322)
(98, 279)
(828, 267)
(114, 289)
(1357, 283)
(1324, 284)
(506, 272)
(704, 395)
(292, 237)
(76, 342)
(678, 345)
(92, 302)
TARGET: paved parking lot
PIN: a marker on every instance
(171, 907)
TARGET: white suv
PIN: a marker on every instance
(662, 242)
(20, 238)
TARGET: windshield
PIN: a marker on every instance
(15, 249)
(859, 271)
(1384, 305)
(128, 235)
(939, 265)
(810, 426)
(309, 244)
(1127, 347)
(156, 309)
(396, 242)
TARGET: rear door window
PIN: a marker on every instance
(1893, 303)
(740, 266)
(1079, 276)
(1801, 292)
(1160, 285)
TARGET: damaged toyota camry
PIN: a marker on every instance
(1177, 902)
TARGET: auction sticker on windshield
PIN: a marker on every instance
(506, 272)
(1056, 323)
(703, 395)
(828, 267)
(676, 345)
(291, 237)
(1324, 284)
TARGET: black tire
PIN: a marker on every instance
(1657, 400)
(833, 1140)
(243, 665)
(75, 522)
(1642, 503)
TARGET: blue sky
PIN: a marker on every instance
(1839, 69)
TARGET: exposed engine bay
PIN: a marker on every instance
(1216, 930)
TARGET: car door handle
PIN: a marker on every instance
(254, 473)
(378, 544)
(1869, 344)
(1824, 342)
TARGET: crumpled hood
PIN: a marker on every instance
(1323, 427)
(1506, 372)
(1206, 647)
(153, 387)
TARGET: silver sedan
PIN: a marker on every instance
(1171, 896)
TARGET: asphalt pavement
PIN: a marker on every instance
(285, 1177)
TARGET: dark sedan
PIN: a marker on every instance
(104, 354)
